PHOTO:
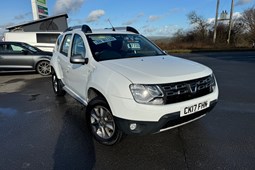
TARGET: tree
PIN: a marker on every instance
(200, 23)
(248, 18)
(237, 32)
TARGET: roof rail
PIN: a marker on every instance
(128, 28)
(131, 29)
(85, 28)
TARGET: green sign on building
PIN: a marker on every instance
(42, 2)
(39, 8)
(42, 10)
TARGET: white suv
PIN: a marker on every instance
(128, 84)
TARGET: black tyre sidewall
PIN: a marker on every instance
(99, 101)
(60, 91)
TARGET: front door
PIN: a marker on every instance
(79, 73)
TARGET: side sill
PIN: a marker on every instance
(75, 96)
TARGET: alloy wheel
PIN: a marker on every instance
(43, 68)
(102, 122)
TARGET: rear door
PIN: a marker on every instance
(63, 58)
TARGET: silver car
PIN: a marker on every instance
(19, 56)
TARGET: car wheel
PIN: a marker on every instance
(43, 68)
(101, 122)
(57, 86)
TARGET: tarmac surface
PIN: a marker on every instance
(41, 131)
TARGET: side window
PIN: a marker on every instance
(78, 47)
(58, 42)
(2, 49)
(11, 49)
(6, 49)
(66, 44)
(17, 49)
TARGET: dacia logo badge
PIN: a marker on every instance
(192, 88)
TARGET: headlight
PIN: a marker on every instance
(213, 82)
(147, 94)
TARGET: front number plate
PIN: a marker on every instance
(194, 108)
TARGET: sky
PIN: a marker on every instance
(150, 17)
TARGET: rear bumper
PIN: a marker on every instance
(166, 122)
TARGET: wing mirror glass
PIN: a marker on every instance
(25, 52)
(79, 59)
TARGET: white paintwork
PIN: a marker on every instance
(157, 69)
(112, 78)
(129, 109)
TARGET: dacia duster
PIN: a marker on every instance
(128, 84)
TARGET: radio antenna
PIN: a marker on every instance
(113, 29)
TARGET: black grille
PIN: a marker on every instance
(186, 90)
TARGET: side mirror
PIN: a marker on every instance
(78, 59)
(165, 52)
(25, 52)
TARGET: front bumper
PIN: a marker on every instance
(166, 122)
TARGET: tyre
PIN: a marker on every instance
(57, 86)
(43, 68)
(101, 122)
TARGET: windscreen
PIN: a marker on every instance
(120, 46)
(32, 48)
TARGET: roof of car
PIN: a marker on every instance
(87, 30)
(16, 42)
(109, 31)
(8, 42)
(103, 31)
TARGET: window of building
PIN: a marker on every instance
(47, 38)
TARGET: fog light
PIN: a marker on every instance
(132, 126)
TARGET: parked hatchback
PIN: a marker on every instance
(19, 56)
